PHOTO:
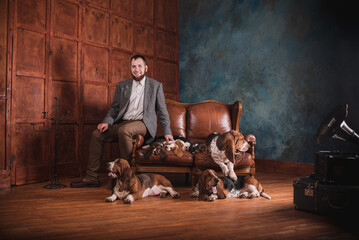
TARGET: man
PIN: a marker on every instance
(133, 111)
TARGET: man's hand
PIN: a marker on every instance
(102, 127)
(169, 138)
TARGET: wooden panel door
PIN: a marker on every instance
(77, 51)
(4, 96)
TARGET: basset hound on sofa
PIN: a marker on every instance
(224, 148)
(130, 187)
(211, 187)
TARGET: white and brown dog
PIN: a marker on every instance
(211, 187)
(224, 148)
(130, 187)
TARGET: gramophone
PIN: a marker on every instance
(337, 167)
(334, 186)
(335, 126)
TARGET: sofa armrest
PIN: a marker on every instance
(138, 141)
(251, 139)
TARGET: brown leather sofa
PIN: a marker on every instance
(195, 121)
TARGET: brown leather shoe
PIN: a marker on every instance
(85, 183)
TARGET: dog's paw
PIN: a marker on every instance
(194, 194)
(163, 194)
(175, 195)
(253, 195)
(128, 200)
(111, 199)
(212, 198)
(243, 195)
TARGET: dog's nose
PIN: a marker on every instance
(107, 164)
(216, 180)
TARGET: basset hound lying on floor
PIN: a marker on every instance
(210, 187)
(130, 187)
(224, 148)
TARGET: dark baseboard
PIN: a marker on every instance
(292, 168)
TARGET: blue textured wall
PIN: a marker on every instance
(289, 62)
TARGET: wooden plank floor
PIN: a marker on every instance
(31, 212)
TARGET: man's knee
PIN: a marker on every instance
(124, 131)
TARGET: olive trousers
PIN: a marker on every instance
(120, 132)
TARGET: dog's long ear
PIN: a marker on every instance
(178, 151)
(125, 176)
(202, 187)
(163, 154)
(220, 190)
(227, 143)
(148, 152)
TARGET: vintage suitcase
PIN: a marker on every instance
(305, 195)
(314, 196)
(336, 167)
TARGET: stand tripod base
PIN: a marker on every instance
(54, 185)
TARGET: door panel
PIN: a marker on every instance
(29, 152)
(31, 53)
(29, 99)
(76, 51)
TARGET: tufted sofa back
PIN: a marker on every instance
(195, 121)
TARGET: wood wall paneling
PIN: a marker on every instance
(64, 59)
(144, 11)
(122, 8)
(2, 134)
(167, 74)
(121, 33)
(144, 39)
(95, 102)
(30, 156)
(166, 45)
(77, 51)
(67, 93)
(96, 25)
(120, 66)
(65, 18)
(164, 17)
(29, 98)
(100, 3)
(31, 53)
(4, 173)
(95, 63)
(3, 48)
(68, 163)
(32, 14)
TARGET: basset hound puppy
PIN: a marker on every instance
(130, 187)
(159, 147)
(197, 148)
(224, 148)
(211, 187)
(155, 148)
(178, 146)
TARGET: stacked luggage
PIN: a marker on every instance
(333, 187)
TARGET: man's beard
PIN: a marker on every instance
(138, 78)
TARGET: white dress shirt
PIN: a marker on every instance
(134, 109)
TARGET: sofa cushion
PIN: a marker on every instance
(207, 117)
(205, 161)
(177, 113)
(172, 159)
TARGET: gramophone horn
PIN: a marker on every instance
(335, 126)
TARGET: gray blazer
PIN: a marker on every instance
(153, 103)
